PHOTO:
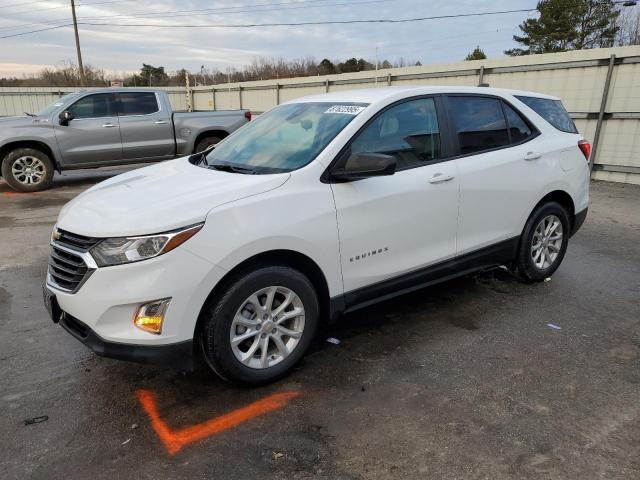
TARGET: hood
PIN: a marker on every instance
(21, 121)
(14, 127)
(158, 198)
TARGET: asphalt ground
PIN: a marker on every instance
(463, 380)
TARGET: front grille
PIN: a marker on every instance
(76, 241)
(67, 267)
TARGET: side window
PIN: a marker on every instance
(138, 103)
(94, 106)
(518, 128)
(408, 131)
(479, 123)
(552, 111)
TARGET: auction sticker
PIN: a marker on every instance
(345, 109)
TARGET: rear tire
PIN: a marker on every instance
(543, 243)
(205, 143)
(275, 308)
(27, 170)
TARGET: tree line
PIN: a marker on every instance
(560, 25)
(67, 74)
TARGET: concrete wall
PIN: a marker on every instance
(577, 77)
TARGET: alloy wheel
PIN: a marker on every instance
(547, 242)
(28, 170)
(267, 327)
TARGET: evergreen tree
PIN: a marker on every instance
(568, 25)
(326, 67)
(477, 54)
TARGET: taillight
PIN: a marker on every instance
(247, 115)
(585, 148)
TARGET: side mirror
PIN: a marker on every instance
(65, 117)
(365, 165)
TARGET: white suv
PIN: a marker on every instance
(320, 206)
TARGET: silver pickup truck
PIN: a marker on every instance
(96, 128)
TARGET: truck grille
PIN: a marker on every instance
(67, 268)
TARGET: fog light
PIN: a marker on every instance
(150, 316)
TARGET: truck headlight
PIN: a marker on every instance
(116, 251)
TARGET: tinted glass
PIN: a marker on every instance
(45, 112)
(285, 138)
(479, 123)
(408, 131)
(518, 128)
(93, 106)
(138, 103)
(552, 111)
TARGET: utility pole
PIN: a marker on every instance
(83, 80)
(376, 64)
(203, 73)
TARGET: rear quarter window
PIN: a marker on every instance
(552, 111)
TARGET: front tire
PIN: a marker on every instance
(261, 326)
(205, 143)
(27, 170)
(543, 243)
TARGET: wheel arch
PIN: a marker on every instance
(209, 133)
(290, 258)
(563, 198)
(35, 144)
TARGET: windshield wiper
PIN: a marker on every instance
(29, 114)
(227, 167)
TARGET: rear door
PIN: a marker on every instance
(93, 136)
(393, 225)
(503, 166)
(145, 126)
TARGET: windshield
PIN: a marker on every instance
(285, 138)
(55, 105)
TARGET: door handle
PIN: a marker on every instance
(532, 156)
(108, 125)
(440, 178)
(160, 122)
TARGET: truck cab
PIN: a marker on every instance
(105, 127)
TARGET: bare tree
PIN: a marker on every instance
(629, 27)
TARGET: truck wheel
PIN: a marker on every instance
(543, 243)
(205, 143)
(261, 326)
(27, 170)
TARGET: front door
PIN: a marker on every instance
(395, 225)
(146, 128)
(93, 136)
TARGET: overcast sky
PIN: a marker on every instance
(121, 48)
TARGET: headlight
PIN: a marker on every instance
(116, 251)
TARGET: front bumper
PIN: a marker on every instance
(106, 303)
(176, 355)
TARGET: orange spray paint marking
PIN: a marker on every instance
(13, 194)
(174, 440)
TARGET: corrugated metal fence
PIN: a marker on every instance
(600, 88)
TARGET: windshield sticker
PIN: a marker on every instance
(345, 109)
(58, 104)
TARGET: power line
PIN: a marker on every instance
(284, 24)
(35, 31)
(209, 11)
(323, 22)
(17, 14)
